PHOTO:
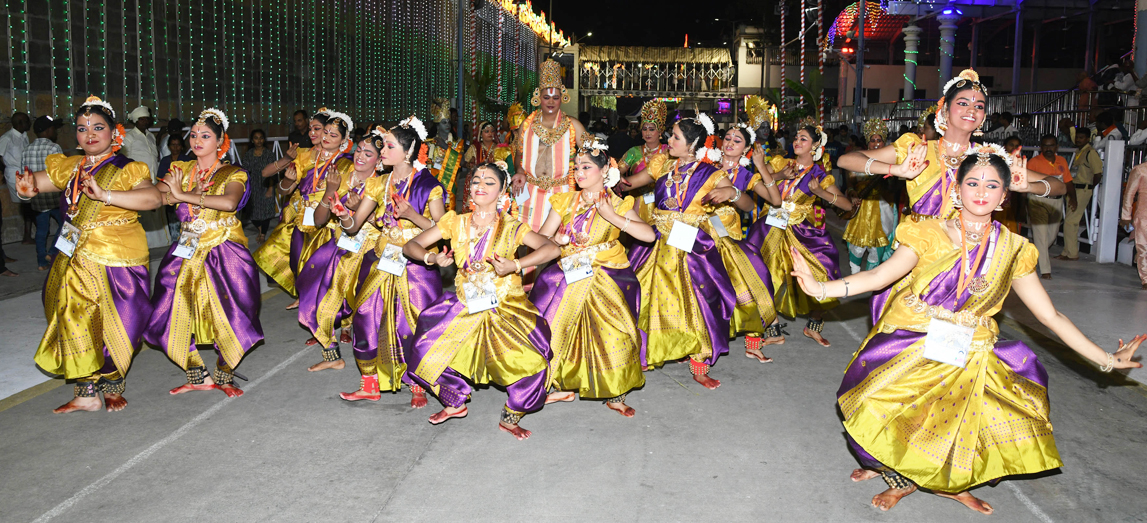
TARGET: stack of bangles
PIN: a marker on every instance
(868, 166)
(285, 189)
(1047, 191)
(626, 226)
(344, 225)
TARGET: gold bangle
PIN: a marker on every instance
(518, 264)
(834, 197)
(202, 195)
(770, 184)
(426, 258)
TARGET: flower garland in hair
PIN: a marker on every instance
(346, 145)
(412, 122)
(221, 119)
(117, 137)
(708, 152)
(985, 152)
(506, 204)
(118, 131)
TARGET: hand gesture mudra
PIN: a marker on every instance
(914, 162)
(174, 182)
(502, 266)
(604, 206)
(293, 151)
(352, 200)
(334, 181)
(444, 258)
(1126, 352)
(1019, 181)
(809, 284)
(26, 183)
(291, 173)
(93, 190)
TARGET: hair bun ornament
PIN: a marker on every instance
(117, 137)
(226, 146)
(967, 76)
(414, 123)
(342, 116)
(95, 101)
(744, 161)
(420, 162)
(217, 115)
(502, 165)
(985, 152)
(612, 174)
(706, 122)
(323, 111)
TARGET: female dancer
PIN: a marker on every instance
(933, 399)
(748, 274)
(488, 331)
(686, 298)
(870, 230)
(328, 278)
(207, 289)
(590, 298)
(95, 298)
(392, 293)
(487, 150)
(930, 167)
(281, 255)
(635, 159)
(797, 223)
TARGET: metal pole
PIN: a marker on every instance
(1088, 59)
(1017, 47)
(1035, 56)
(975, 44)
(858, 98)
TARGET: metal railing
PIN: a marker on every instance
(635, 76)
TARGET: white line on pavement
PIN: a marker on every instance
(100, 483)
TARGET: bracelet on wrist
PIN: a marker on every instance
(426, 258)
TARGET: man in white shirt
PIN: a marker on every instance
(12, 146)
(139, 143)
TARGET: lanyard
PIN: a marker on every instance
(77, 181)
(791, 188)
(966, 263)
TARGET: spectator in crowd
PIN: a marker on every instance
(1066, 136)
(299, 132)
(356, 136)
(1005, 129)
(46, 206)
(174, 128)
(12, 146)
(139, 143)
(262, 203)
(1086, 87)
(1086, 172)
(994, 122)
(834, 148)
(1027, 131)
(1126, 79)
(620, 142)
(1140, 136)
(1105, 130)
(1137, 189)
(1045, 212)
(929, 131)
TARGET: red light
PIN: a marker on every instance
(847, 50)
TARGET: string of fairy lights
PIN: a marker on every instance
(380, 60)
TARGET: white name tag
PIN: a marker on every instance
(69, 237)
(718, 227)
(778, 217)
(392, 260)
(576, 268)
(308, 217)
(683, 236)
(480, 297)
(947, 342)
(648, 197)
(188, 244)
(351, 243)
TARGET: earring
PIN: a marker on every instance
(1000, 208)
(958, 202)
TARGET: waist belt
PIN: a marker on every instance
(1084, 186)
(572, 250)
(91, 226)
(545, 184)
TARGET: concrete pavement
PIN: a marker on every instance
(766, 446)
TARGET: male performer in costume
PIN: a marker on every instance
(549, 141)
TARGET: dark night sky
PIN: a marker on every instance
(659, 23)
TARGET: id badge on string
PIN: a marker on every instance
(481, 296)
(308, 216)
(947, 342)
(68, 239)
(778, 217)
(718, 226)
(682, 236)
(351, 243)
(576, 267)
(392, 260)
(188, 244)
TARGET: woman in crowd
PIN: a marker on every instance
(207, 288)
(262, 205)
(933, 399)
(392, 293)
(636, 158)
(96, 296)
(487, 331)
(590, 298)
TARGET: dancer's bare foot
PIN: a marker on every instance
(9, 274)
(78, 403)
(312, 341)
(345, 337)
(114, 402)
(756, 354)
(705, 380)
(969, 501)
(294, 305)
(323, 365)
(555, 397)
(417, 398)
(517, 431)
(207, 384)
(360, 395)
(621, 408)
(778, 340)
(447, 413)
(231, 390)
(889, 498)
(816, 336)
(863, 475)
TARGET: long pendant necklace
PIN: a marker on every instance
(977, 285)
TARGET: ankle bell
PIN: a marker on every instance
(369, 384)
(698, 368)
